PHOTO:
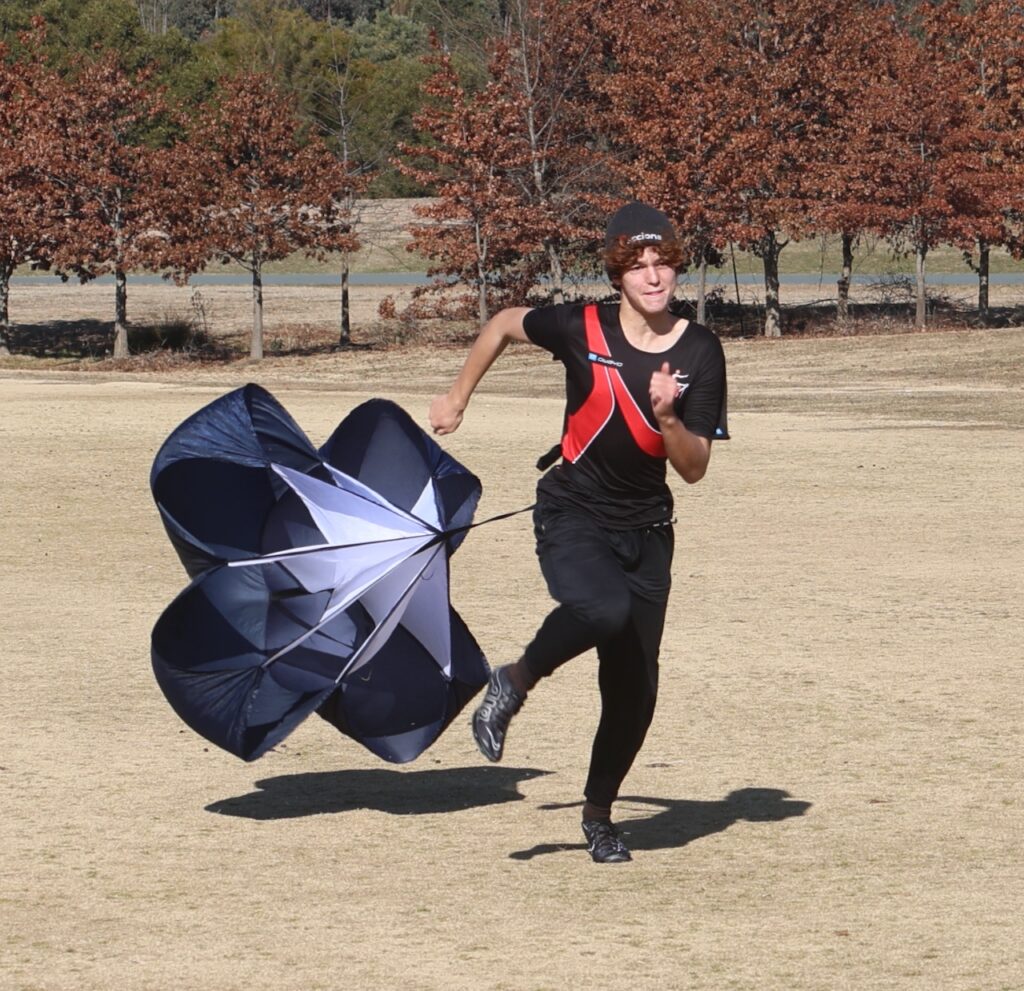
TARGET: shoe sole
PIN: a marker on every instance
(619, 859)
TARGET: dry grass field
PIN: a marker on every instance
(830, 795)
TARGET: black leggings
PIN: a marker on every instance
(612, 588)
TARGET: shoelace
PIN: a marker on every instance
(606, 835)
(502, 702)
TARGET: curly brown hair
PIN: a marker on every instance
(621, 256)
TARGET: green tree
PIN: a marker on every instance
(388, 37)
(74, 30)
(341, 11)
(318, 63)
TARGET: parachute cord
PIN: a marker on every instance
(491, 519)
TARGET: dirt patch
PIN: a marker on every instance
(829, 796)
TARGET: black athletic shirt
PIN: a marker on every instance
(613, 478)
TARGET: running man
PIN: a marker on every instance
(644, 388)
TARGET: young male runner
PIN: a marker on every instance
(643, 388)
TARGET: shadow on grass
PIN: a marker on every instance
(62, 338)
(179, 342)
(681, 821)
(819, 319)
(94, 339)
(291, 796)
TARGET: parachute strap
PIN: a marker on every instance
(490, 519)
(608, 391)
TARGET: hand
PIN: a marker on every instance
(445, 414)
(663, 391)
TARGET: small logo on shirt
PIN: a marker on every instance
(601, 359)
(681, 384)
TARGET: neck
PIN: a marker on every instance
(655, 332)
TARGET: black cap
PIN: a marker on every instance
(640, 224)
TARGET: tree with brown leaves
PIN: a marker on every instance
(28, 214)
(474, 228)
(915, 133)
(668, 120)
(852, 195)
(774, 74)
(94, 155)
(718, 124)
(253, 191)
(512, 161)
(987, 39)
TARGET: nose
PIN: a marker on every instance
(651, 273)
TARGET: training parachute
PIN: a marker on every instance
(319, 578)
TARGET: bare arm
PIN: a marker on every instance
(507, 325)
(687, 452)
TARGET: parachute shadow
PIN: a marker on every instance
(681, 821)
(429, 792)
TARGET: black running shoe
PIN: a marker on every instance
(604, 844)
(490, 721)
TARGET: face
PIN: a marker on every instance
(649, 284)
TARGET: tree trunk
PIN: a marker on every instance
(736, 282)
(983, 279)
(557, 276)
(345, 333)
(771, 248)
(120, 313)
(921, 317)
(481, 301)
(481, 274)
(843, 299)
(5, 318)
(256, 342)
(345, 315)
(702, 287)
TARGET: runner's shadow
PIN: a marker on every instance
(291, 796)
(682, 821)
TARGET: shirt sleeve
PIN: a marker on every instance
(704, 404)
(547, 327)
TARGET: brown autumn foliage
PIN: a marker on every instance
(778, 121)
(909, 164)
(987, 39)
(28, 217)
(513, 162)
(765, 123)
(773, 70)
(667, 121)
(476, 153)
(718, 126)
(97, 170)
(251, 190)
